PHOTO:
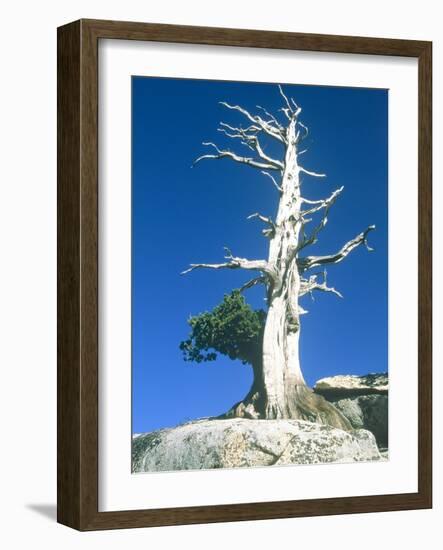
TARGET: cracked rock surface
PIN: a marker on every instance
(238, 442)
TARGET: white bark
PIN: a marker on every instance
(234, 262)
(293, 358)
(267, 165)
(274, 181)
(314, 261)
(280, 391)
(258, 123)
(308, 285)
(274, 358)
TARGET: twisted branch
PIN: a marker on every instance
(270, 231)
(253, 282)
(272, 117)
(237, 158)
(235, 262)
(313, 261)
(311, 284)
(256, 120)
(326, 205)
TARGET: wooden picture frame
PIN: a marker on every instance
(78, 274)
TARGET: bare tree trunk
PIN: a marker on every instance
(285, 389)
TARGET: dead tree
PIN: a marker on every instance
(279, 389)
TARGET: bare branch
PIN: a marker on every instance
(253, 282)
(249, 140)
(274, 181)
(323, 203)
(305, 128)
(293, 109)
(244, 141)
(270, 231)
(326, 204)
(264, 219)
(233, 136)
(310, 173)
(271, 116)
(256, 144)
(296, 107)
(314, 261)
(286, 112)
(237, 158)
(268, 128)
(235, 262)
(285, 98)
(311, 284)
(252, 129)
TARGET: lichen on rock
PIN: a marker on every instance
(235, 443)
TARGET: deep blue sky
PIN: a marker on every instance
(182, 215)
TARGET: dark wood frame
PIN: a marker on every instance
(77, 455)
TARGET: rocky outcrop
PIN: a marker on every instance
(349, 385)
(362, 399)
(238, 442)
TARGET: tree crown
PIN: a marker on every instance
(232, 328)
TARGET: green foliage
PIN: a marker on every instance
(232, 328)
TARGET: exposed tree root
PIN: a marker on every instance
(301, 403)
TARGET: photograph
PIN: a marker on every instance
(259, 274)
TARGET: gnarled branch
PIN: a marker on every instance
(253, 282)
(235, 262)
(326, 204)
(259, 150)
(252, 142)
(313, 261)
(322, 203)
(270, 231)
(264, 219)
(256, 120)
(272, 117)
(237, 158)
(311, 284)
(292, 107)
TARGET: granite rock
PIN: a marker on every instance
(238, 442)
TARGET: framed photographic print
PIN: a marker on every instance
(244, 275)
